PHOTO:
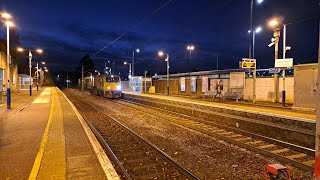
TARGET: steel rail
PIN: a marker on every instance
(265, 138)
(106, 146)
(295, 163)
(175, 164)
(166, 157)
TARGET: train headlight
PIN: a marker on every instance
(108, 88)
(119, 88)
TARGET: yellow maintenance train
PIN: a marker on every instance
(108, 86)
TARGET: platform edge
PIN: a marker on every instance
(104, 161)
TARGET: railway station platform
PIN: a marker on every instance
(271, 109)
(45, 137)
(282, 124)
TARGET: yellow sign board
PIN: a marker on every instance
(248, 63)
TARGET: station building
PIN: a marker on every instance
(300, 85)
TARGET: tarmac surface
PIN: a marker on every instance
(44, 137)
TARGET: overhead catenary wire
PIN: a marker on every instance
(304, 20)
(133, 27)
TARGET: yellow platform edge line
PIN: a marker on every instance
(37, 162)
(104, 161)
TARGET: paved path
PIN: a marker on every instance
(48, 139)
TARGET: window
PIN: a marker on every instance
(112, 79)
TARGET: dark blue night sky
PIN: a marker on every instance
(69, 29)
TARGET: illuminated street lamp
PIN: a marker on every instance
(6, 15)
(251, 24)
(9, 24)
(190, 48)
(257, 30)
(37, 74)
(40, 51)
(161, 54)
(133, 53)
(126, 63)
(275, 23)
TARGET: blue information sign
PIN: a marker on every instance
(274, 70)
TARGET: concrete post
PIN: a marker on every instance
(276, 56)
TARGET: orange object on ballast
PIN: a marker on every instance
(277, 172)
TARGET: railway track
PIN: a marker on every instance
(135, 157)
(297, 156)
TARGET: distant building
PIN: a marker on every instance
(24, 82)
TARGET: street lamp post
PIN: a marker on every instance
(40, 51)
(30, 78)
(257, 30)
(276, 23)
(8, 24)
(284, 70)
(37, 74)
(190, 48)
(145, 81)
(133, 54)
(125, 63)
(251, 26)
(161, 53)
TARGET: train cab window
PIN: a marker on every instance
(112, 79)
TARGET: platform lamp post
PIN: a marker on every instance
(161, 54)
(133, 56)
(251, 26)
(145, 81)
(126, 63)
(40, 51)
(9, 24)
(257, 30)
(45, 70)
(37, 74)
(190, 48)
(276, 23)
(42, 72)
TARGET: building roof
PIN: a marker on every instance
(202, 73)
